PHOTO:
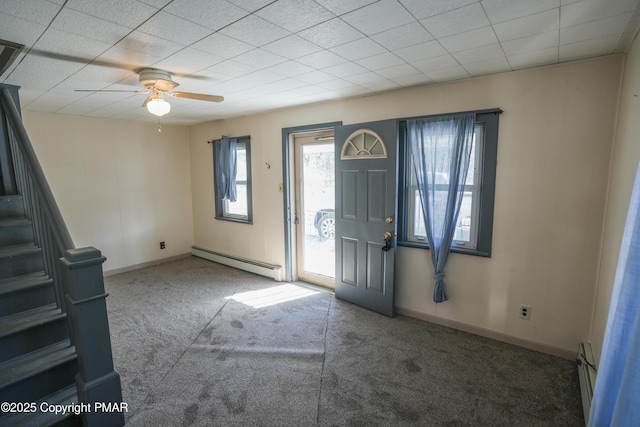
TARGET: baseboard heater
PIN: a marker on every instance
(587, 376)
(261, 268)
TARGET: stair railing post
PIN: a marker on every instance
(97, 381)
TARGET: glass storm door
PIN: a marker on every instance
(314, 212)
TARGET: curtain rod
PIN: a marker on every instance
(231, 137)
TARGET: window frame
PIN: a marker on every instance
(222, 206)
(485, 184)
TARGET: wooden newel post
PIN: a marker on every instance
(97, 382)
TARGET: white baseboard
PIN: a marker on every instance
(261, 268)
(144, 265)
(587, 377)
(487, 333)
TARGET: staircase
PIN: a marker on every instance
(37, 361)
(55, 350)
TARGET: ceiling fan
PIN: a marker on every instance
(158, 83)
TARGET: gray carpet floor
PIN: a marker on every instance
(197, 343)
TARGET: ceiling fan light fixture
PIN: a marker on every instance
(158, 106)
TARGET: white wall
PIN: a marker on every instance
(121, 186)
(624, 163)
(554, 148)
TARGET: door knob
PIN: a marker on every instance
(387, 241)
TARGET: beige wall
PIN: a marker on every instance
(624, 163)
(553, 164)
(121, 186)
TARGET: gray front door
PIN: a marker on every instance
(365, 213)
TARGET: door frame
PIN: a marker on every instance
(288, 177)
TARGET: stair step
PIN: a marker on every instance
(25, 292)
(17, 260)
(30, 330)
(66, 396)
(15, 231)
(11, 206)
(40, 373)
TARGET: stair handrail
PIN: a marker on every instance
(50, 230)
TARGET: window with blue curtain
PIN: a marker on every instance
(232, 176)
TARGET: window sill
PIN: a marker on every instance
(455, 249)
(232, 219)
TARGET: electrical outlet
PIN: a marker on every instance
(162, 246)
(525, 311)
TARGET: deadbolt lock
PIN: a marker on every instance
(389, 220)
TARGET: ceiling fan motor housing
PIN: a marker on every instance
(149, 77)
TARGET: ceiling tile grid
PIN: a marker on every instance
(262, 54)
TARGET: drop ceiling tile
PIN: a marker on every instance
(290, 69)
(148, 45)
(358, 49)
(469, 40)
(398, 71)
(331, 33)
(292, 47)
(437, 63)
(504, 10)
(19, 31)
(81, 24)
(340, 7)
(414, 80)
(233, 68)
(377, 62)
(295, 15)
(591, 10)
(423, 9)
(188, 61)
(315, 77)
(118, 56)
(250, 5)
(446, 74)
(364, 78)
(321, 59)
(222, 45)
(213, 15)
(497, 65)
(378, 17)
(129, 13)
(585, 49)
(74, 47)
(534, 58)
(404, 36)
(176, 29)
(381, 86)
(336, 84)
(259, 59)
(484, 53)
(421, 51)
(532, 43)
(35, 11)
(345, 70)
(595, 29)
(255, 31)
(155, 3)
(456, 21)
(529, 25)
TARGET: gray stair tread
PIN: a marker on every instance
(17, 250)
(26, 281)
(30, 318)
(36, 362)
(66, 396)
(14, 222)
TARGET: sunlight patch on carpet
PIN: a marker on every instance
(272, 296)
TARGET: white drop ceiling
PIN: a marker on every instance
(265, 54)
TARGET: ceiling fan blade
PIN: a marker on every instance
(112, 90)
(198, 96)
(165, 85)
